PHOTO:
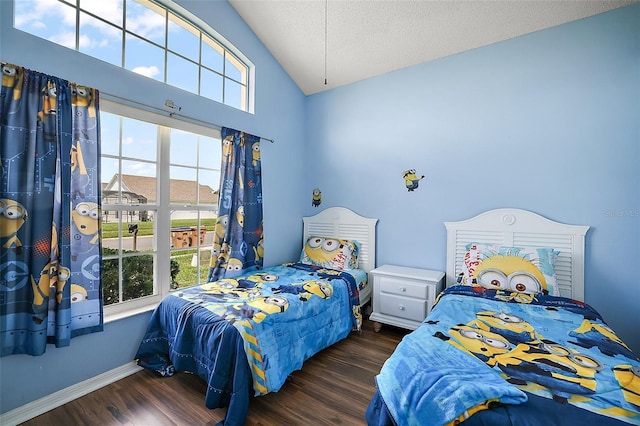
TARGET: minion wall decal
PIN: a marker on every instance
(411, 179)
(316, 198)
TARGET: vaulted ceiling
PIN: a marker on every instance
(365, 38)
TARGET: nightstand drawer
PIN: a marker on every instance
(403, 287)
(403, 307)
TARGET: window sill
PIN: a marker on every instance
(118, 315)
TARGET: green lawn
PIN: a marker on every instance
(110, 229)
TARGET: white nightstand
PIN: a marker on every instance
(403, 296)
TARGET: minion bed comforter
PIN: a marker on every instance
(488, 357)
(245, 335)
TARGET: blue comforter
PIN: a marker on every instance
(481, 348)
(250, 332)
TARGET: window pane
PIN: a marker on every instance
(212, 54)
(210, 153)
(211, 85)
(146, 20)
(182, 73)
(138, 182)
(137, 276)
(184, 148)
(183, 186)
(109, 10)
(109, 134)
(139, 139)
(36, 18)
(191, 241)
(144, 58)
(183, 38)
(108, 169)
(233, 93)
(110, 278)
(235, 69)
(209, 184)
(100, 40)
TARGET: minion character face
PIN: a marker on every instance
(261, 278)
(227, 283)
(85, 216)
(411, 179)
(240, 216)
(255, 153)
(628, 376)
(270, 304)
(12, 77)
(258, 250)
(221, 226)
(511, 327)
(481, 343)
(563, 371)
(227, 149)
(321, 250)
(12, 216)
(234, 265)
(78, 293)
(49, 101)
(510, 273)
(318, 288)
(82, 96)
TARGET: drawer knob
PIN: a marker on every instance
(401, 307)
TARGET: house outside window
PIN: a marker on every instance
(159, 40)
(160, 179)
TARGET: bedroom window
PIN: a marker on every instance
(158, 40)
(160, 179)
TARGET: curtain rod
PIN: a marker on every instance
(168, 104)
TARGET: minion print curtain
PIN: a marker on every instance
(50, 256)
(237, 245)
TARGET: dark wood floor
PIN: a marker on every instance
(333, 388)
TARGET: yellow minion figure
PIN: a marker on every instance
(322, 250)
(510, 273)
(483, 344)
(317, 288)
(12, 216)
(628, 377)
(255, 153)
(13, 76)
(268, 306)
(85, 227)
(511, 327)
(316, 197)
(78, 293)
(411, 179)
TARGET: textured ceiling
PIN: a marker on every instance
(366, 38)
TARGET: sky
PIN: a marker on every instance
(145, 26)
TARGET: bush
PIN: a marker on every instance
(137, 276)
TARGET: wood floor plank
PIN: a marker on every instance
(333, 387)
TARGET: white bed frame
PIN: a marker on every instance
(521, 228)
(342, 223)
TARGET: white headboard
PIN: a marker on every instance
(521, 228)
(343, 223)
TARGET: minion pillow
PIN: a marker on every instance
(514, 269)
(330, 253)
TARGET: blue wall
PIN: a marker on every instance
(547, 122)
(279, 114)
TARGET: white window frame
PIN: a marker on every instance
(162, 217)
(231, 53)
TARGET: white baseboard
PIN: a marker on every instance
(49, 402)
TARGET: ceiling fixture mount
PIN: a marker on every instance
(326, 14)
